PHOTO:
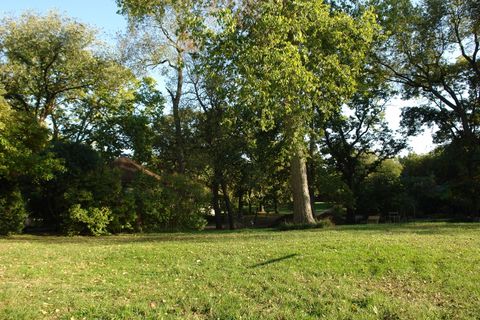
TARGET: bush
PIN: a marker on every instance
(12, 213)
(124, 215)
(176, 202)
(86, 181)
(93, 221)
(187, 200)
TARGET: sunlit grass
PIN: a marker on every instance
(415, 271)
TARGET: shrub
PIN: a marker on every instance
(187, 201)
(124, 215)
(12, 213)
(175, 202)
(93, 221)
(86, 181)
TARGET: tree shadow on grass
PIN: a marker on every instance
(126, 239)
(261, 264)
(211, 236)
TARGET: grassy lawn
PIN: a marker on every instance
(414, 271)
(318, 206)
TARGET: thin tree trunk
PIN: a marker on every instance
(180, 155)
(216, 206)
(275, 203)
(311, 168)
(351, 216)
(240, 207)
(228, 205)
(55, 128)
(302, 210)
(250, 202)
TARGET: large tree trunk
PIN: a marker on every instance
(302, 210)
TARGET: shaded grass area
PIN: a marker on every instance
(411, 271)
(318, 207)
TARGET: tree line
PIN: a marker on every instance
(265, 103)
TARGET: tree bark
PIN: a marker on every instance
(216, 206)
(228, 205)
(176, 116)
(350, 218)
(311, 175)
(240, 207)
(275, 203)
(250, 202)
(302, 210)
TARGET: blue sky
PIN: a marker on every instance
(101, 14)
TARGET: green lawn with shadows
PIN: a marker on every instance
(408, 271)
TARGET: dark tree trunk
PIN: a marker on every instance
(228, 205)
(350, 216)
(180, 155)
(250, 202)
(240, 207)
(275, 203)
(216, 206)
(311, 184)
(311, 173)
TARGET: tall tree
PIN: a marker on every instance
(162, 34)
(290, 57)
(357, 138)
(434, 53)
(23, 158)
(53, 70)
(218, 129)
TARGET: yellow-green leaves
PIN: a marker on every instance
(293, 55)
(55, 71)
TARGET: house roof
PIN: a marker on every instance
(130, 168)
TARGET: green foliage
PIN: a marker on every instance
(153, 214)
(23, 144)
(433, 53)
(93, 221)
(86, 181)
(133, 126)
(382, 191)
(124, 213)
(439, 183)
(332, 188)
(176, 202)
(12, 212)
(24, 161)
(188, 200)
(54, 69)
(297, 56)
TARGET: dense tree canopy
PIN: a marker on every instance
(54, 69)
(272, 105)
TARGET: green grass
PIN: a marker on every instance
(318, 207)
(415, 271)
(322, 206)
